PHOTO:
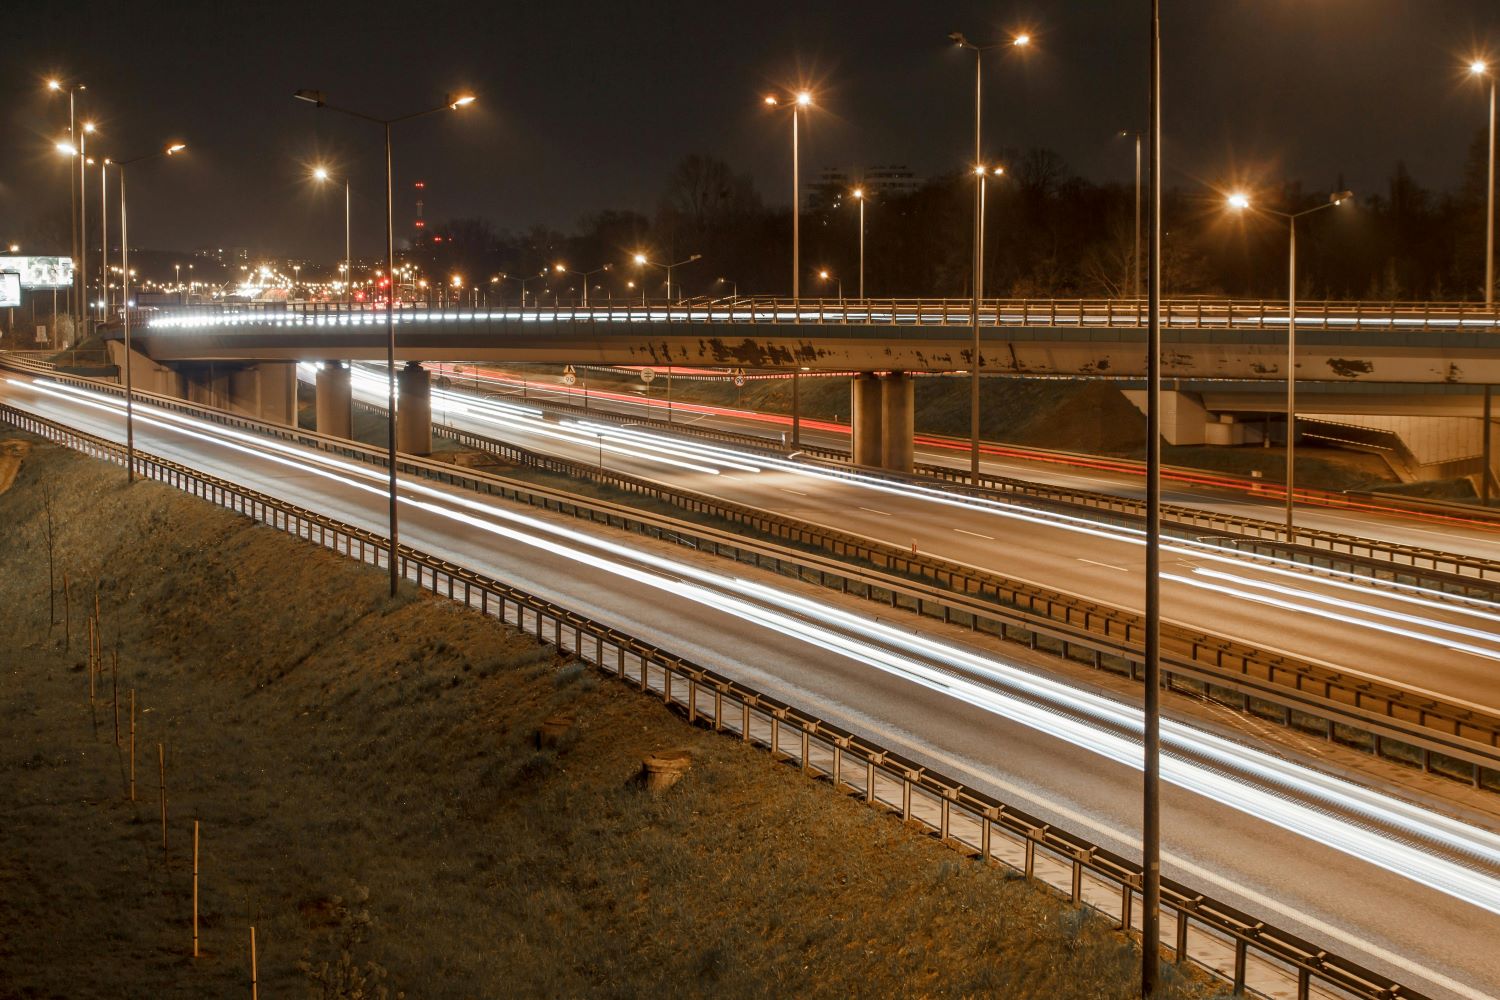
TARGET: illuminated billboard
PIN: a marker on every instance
(41, 272)
(10, 289)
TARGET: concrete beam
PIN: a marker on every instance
(334, 400)
(413, 410)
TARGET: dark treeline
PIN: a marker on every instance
(1049, 233)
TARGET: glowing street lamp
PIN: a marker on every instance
(797, 102)
(1018, 41)
(825, 276)
(641, 260)
(452, 102)
(1240, 202)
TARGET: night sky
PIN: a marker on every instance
(588, 106)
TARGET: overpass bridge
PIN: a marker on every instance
(238, 355)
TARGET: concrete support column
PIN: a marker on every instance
(413, 410)
(897, 422)
(335, 400)
(277, 390)
(865, 415)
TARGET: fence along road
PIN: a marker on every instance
(1244, 860)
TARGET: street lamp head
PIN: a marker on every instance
(320, 173)
(957, 38)
(1339, 197)
(1238, 202)
(310, 96)
(559, 268)
(824, 274)
(176, 148)
(88, 127)
(693, 257)
(1479, 68)
(460, 101)
(858, 194)
(1021, 41)
(771, 101)
(54, 85)
(804, 98)
(639, 258)
(66, 149)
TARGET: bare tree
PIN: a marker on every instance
(49, 535)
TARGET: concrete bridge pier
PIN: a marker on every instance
(897, 422)
(334, 400)
(413, 410)
(865, 410)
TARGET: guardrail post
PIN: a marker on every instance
(1127, 903)
(1179, 953)
(806, 755)
(905, 795)
(1076, 887)
(692, 700)
(1239, 966)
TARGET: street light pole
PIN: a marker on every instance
(104, 237)
(859, 196)
(1241, 202)
(171, 150)
(1135, 256)
(958, 38)
(1480, 67)
(1151, 704)
(452, 103)
(800, 100)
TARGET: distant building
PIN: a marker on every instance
(830, 189)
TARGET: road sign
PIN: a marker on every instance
(10, 288)
(739, 377)
(41, 333)
(569, 375)
(648, 375)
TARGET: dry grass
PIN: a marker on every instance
(333, 743)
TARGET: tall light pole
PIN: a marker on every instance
(104, 237)
(57, 87)
(451, 103)
(83, 224)
(1481, 68)
(1135, 257)
(120, 166)
(321, 175)
(1019, 41)
(522, 281)
(641, 260)
(825, 276)
(1240, 203)
(1151, 702)
(801, 99)
(859, 196)
(585, 275)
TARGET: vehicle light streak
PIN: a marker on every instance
(1236, 776)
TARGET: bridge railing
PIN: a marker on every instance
(1247, 954)
(1191, 313)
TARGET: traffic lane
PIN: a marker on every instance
(684, 625)
(1396, 528)
(1109, 572)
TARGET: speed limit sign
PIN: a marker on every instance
(569, 375)
(648, 375)
(739, 377)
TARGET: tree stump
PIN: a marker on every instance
(553, 730)
(664, 769)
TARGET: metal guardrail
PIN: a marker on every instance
(1198, 313)
(1247, 953)
(1455, 573)
(1385, 719)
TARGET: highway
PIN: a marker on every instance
(1100, 476)
(1264, 834)
(1426, 643)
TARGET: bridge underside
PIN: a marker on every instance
(1432, 356)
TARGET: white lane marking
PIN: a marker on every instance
(976, 534)
(872, 510)
(1122, 569)
(785, 490)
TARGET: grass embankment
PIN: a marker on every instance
(333, 742)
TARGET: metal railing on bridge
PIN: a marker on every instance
(1192, 313)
